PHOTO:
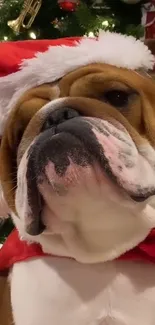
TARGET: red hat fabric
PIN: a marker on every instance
(13, 53)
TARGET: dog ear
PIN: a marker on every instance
(32, 101)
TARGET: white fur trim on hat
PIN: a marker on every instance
(111, 48)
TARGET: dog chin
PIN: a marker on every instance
(84, 214)
(86, 223)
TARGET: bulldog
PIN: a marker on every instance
(77, 175)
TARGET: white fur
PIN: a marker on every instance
(111, 48)
(107, 226)
(63, 292)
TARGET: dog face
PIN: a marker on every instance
(78, 162)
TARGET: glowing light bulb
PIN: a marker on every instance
(33, 35)
(91, 34)
(5, 38)
(105, 23)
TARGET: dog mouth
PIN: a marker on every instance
(79, 152)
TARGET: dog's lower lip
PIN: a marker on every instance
(36, 230)
(139, 198)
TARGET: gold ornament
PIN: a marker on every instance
(27, 15)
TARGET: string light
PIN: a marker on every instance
(91, 34)
(5, 38)
(105, 23)
(32, 35)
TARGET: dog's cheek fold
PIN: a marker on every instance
(35, 201)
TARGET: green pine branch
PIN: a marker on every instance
(84, 20)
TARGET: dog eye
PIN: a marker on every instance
(117, 98)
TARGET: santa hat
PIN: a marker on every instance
(27, 64)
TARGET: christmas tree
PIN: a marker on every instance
(45, 19)
(56, 18)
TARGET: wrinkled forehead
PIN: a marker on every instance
(88, 81)
(91, 80)
(27, 117)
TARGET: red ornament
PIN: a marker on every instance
(68, 5)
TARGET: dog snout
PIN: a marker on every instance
(59, 116)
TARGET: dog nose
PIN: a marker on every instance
(59, 116)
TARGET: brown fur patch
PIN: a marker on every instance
(92, 81)
(5, 304)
